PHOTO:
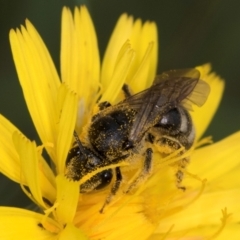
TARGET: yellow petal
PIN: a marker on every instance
(143, 39)
(47, 181)
(229, 231)
(38, 78)
(73, 233)
(80, 64)
(106, 225)
(68, 40)
(123, 62)
(23, 224)
(203, 116)
(206, 211)
(29, 158)
(10, 163)
(67, 108)
(143, 69)
(67, 199)
(222, 191)
(119, 36)
(150, 30)
(219, 162)
(142, 78)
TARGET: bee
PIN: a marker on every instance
(158, 116)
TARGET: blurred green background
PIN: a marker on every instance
(191, 32)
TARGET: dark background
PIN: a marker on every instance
(191, 32)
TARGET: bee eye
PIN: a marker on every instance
(170, 120)
(105, 177)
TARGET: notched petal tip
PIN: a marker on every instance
(10, 166)
(33, 62)
(29, 164)
(80, 61)
(209, 108)
(34, 173)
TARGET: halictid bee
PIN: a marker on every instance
(157, 116)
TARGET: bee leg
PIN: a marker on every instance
(179, 177)
(104, 105)
(126, 90)
(180, 173)
(114, 188)
(147, 167)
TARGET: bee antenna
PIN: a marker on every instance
(80, 146)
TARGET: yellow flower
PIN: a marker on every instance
(157, 210)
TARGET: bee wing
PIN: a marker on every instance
(168, 90)
(198, 95)
(158, 100)
(172, 74)
(161, 86)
